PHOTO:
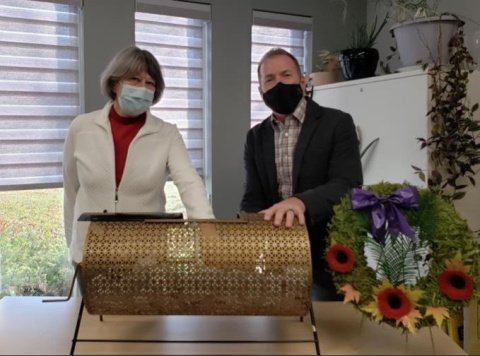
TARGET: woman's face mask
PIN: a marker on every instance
(135, 100)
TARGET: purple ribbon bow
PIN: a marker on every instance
(385, 212)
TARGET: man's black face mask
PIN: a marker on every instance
(283, 98)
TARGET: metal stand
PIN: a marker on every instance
(313, 340)
(77, 329)
(314, 330)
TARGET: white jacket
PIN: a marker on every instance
(89, 173)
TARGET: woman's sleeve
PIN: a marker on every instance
(70, 184)
(188, 182)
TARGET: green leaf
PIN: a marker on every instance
(401, 260)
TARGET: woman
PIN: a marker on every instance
(117, 159)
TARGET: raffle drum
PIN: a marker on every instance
(196, 267)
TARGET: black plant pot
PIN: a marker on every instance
(359, 62)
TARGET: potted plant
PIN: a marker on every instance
(360, 59)
(454, 150)
(420, 32)
(327, 69)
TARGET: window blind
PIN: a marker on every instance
(39, 89)
(290, 32)
(180, 44)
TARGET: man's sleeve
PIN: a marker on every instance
(344, 172)
(254, 197)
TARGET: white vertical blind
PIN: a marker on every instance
(39, 89)
(269, 30)
(180, 45)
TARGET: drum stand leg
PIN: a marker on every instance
(314, 330)
(80, 312)
(77, 328)
(69, 296)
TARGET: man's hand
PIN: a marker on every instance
(286, 211)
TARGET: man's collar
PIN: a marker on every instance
(298, 113)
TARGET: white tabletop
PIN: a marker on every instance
(30, 327)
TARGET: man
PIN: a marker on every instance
(300, 161)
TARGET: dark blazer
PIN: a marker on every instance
(326, 165)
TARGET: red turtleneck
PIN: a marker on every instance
(124, 130)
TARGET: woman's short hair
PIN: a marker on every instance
(130, 62)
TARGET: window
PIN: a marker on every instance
(177, 34)
(39, 96)
(269, 30)
(39, 90)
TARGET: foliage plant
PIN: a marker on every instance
(405, 10)
(418, 8)
(453, 145)
(364, 36)
(406, 283)
(33, 254)
(327, 61)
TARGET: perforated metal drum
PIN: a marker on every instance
(196, 268)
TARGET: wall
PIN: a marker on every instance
(109, 27)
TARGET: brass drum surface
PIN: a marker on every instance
(196, 268)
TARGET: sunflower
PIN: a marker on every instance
(340, 258)
(392, 302)
(455, 282)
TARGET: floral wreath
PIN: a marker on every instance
(402, 255)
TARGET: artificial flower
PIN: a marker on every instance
(410, 320)
(351, 294)
(392, 302)
(340, 258)
(454, 281)
(456, 285)
(438, 313)
(456, 264)
(372, 309)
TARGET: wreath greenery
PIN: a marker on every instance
(407, 283)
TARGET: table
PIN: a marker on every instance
(30, 327)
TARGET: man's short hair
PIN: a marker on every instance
(274, 52)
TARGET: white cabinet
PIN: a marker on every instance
(393, 108)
